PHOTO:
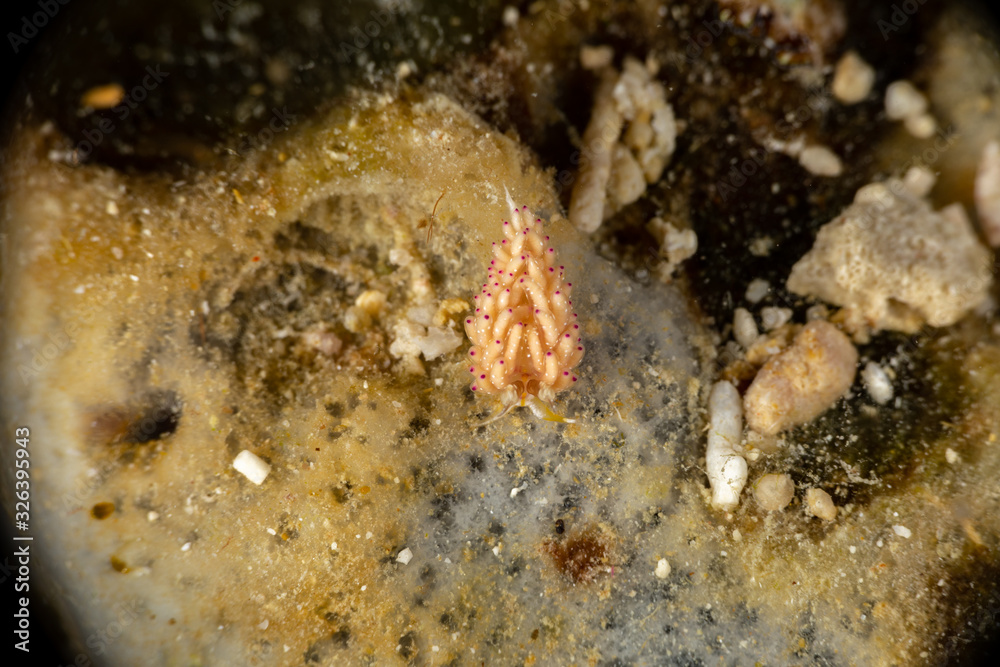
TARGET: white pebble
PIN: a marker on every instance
(596, 57)
(662, 570)
(774, 491)
(757, 290)
(404, 556)
(510, 16)
(251, 466)
(773, 317)
(951, 456)
(744, 327)
(853, 79)
(877, 383)
(152, 516)
(922, 126)
(903, 100)
(902, 531)
(819, 504)
(820, 161)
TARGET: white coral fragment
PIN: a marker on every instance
(676, 245)
(617, 165)
(727, 470)
(894, 262)
(586, 207)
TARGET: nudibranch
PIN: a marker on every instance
(525, 337)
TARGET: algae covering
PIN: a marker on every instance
(275, 250)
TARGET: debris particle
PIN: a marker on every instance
(902, 531)
(107, 96)
(905, 103)
(903, 100)
(951, 456)
(774, 491)
(662, 570)
(371, 301)
(251, 466)
(102, 511)
(773, 317)
(596, 57)
(852, 79)
(877, 383)
(802, 381)
(757, 290)
(820, 161)
(744, 327)
(819, 504)
(510, 16)
(676, 245)
(404, 556)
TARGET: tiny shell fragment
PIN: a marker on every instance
(853, 79)
(819, 504)
(820, 161)
(803, 381)
(773, 492)
(903, 100)
(251, 466)
(877, 383)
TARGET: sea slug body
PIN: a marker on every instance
(525, 337)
